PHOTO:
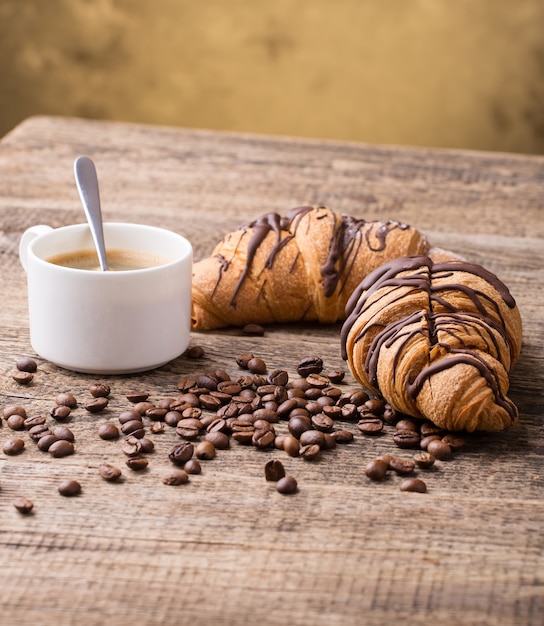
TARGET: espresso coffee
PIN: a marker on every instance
(119, 260)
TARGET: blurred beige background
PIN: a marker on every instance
(448, 73)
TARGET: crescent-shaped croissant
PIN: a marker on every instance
(437, 340)
(301, 267)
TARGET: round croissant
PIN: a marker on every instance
(437, 340)
(301, 267)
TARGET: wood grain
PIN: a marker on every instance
(227, 548)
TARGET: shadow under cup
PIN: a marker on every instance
(108, 322)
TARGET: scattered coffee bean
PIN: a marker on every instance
(16, 422)
(137, 463)
(147, 445)
(371, 426)
(218, 439)
(108, 431)
(14, 410)
(109, 472)
(439, 449)
(205, 451)
(66, 399)
(61, 448)
(253, 330)
(127, 416)
(26, 364)
(131, 446)
(454, 442)
(195, 352)
(137, 396)
(181, 452)
(424, 459)
(23, 505)
(60, 412)
(156, 428)
(413, 484)
(256, 366)
(13, 446)
(23, 378)
(45, 442)
(310, 452)
(310, 365)
(242, 360)
(376, 469)
(291, 445)
(69, 488)
(38, 431)
(100, 390)
(287, 485)
(335, 376)
(342, 435)
(278, 377)
(192, 466)
(406, 438)
(176, 477)
(61, 432)
(96, 405)
(402, 466)
(274, 470)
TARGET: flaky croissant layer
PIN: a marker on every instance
(301, 267)
(436, 340)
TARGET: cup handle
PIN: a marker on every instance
(27, 237)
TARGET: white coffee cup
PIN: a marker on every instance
(114, 322)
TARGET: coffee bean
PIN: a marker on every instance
(61, 432)
(312, 437)
(176, 477)
(317, 381)
(16, 422)
(429, 428)
(425, 441)
(184, 384)
(218, 439)
(439, 449)
(66, 399)
(406, 438)
(298, 424)
(23, 378)
(212, 403)
(349, 411)
(291, 445)
(189, 428)
(342, 435)
(156, 414)
(137, 396)
(274, 470)
(309, 452)
(335, 376)
(253, 330)
(137, 463)
(310, 365)
(23, 505)
(333, 412)
(108, 432)
(376, 469)
(96, 405)
(256, 366)
(205, 451)
(132, 426)
(402, 466)
(195, 352)
(100, 390)
(358, 398)
(13, 446)
(127, 416)
(61, 448)
(192, 466)
(406, 424)
(278, 377)
(329, 442)
(263, 439)
(26, 364)
(424, 459)
(181, 452)
(371, 426)
(38, 431)
(44, 443)
(454, 442)
(242, 360)
(156, 428)
(14, 410)
(287, 485)
(375, 405)
(322, 422)
(69, 488)
(147, 445)
(109, 472)
(413, 484)
(60, 413)
(131, 446)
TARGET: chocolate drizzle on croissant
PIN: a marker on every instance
(437, 340)
(300, 267)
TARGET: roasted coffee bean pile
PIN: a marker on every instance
(304, 417)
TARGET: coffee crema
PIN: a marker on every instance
(119, 260)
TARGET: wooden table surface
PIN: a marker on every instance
(227, 548)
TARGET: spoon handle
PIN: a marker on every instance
(87, 185)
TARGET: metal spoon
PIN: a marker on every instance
(87, 185)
